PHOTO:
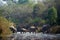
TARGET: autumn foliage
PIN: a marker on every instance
(4, 27)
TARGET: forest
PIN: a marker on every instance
(30, 14)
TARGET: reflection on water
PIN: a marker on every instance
(33, 36)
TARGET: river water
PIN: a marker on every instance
(34, 36)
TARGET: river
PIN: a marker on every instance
(33, 36)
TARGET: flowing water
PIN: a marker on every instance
(34, 36)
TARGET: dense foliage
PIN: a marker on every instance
(57, 5)
(52, 16)
(27, 12)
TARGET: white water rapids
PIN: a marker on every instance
(34, 36)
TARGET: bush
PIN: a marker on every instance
(4, 27)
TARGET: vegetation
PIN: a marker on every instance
(52, 16)
(57, 5)
(27, 12)
(23, 1)
(4, 27)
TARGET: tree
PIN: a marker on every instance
(35, 11)
(57, 5)
(52, 15)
